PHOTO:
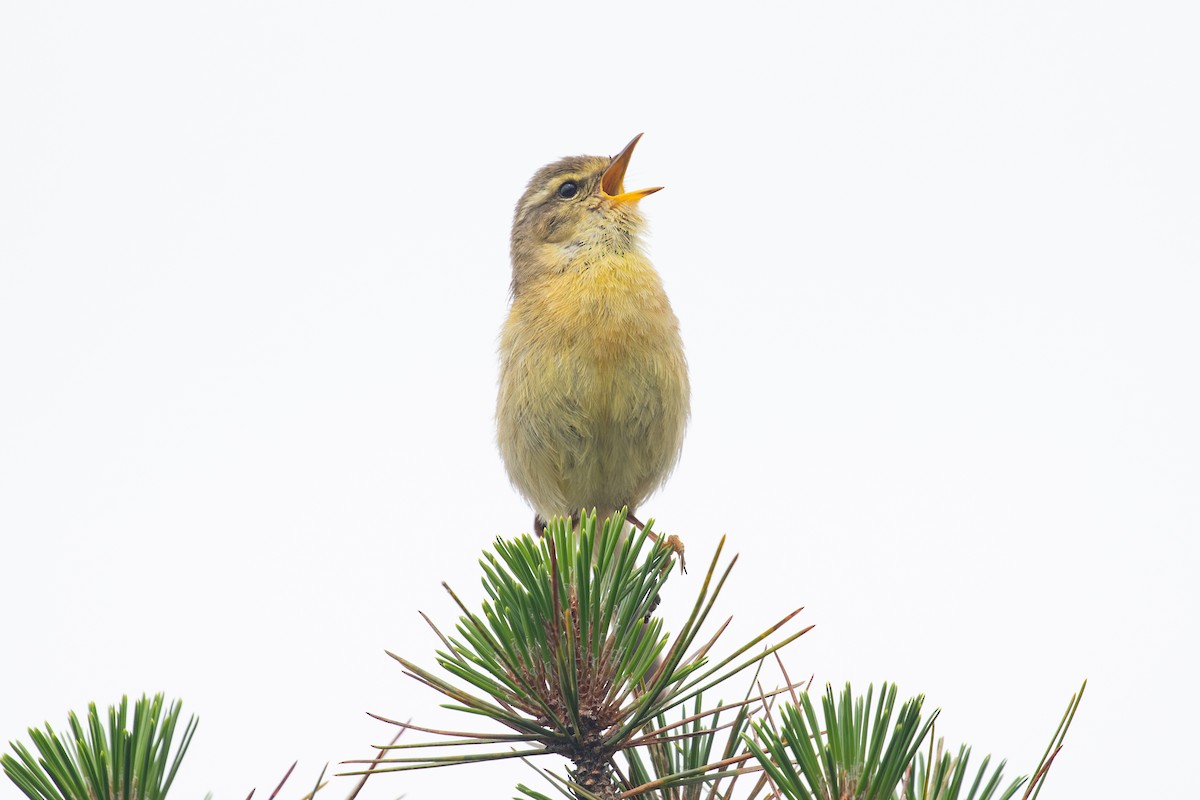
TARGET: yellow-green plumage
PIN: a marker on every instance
(593, 382)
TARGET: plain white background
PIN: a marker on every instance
(936, 269)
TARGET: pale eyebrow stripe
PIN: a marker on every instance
(552, 188)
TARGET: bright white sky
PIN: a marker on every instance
(936, 268)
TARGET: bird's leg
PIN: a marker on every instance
(539, 524)
(672, 541)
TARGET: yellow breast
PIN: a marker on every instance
(594, 391)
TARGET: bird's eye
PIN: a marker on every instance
(568, 190)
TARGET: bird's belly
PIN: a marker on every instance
(591, 415)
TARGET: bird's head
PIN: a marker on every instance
(573, 213)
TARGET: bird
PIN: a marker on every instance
(594, 396)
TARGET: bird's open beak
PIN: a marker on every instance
(612, 182)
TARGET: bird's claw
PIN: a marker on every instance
(676, 544)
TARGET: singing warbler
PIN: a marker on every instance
(594, 393)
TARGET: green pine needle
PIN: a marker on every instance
(95, 762)
(566, 654)
(853, 754)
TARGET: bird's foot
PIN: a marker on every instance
(654, 604)
(672, 541)
(676, 544)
